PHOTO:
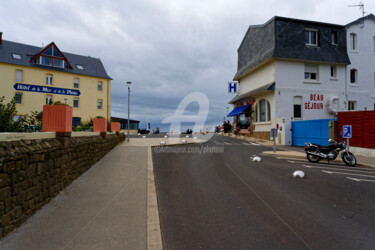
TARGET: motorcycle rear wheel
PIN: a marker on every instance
(349, 159)
(313, 158)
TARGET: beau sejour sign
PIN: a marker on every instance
(45, 89)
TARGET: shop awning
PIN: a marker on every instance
(265, 88)
(238, 111)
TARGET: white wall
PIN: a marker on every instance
(363, 59)
(258, 78)
(290, 82)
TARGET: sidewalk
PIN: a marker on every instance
(298, 153)
(113, 205)
(105, 208)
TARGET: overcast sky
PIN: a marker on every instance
(166, 48)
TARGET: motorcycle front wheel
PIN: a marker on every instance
(349, 159)
(313, 158)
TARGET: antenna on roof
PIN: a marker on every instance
(361, 6)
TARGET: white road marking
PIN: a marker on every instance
(355, 179)
(309, 166)
(254, 144)
(292, 161)
(332, 164)
(228, 143)
(217, 142)
(349, 170)
(333, 172)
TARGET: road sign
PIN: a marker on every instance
(45, 89)
(273, 133)
(233, 87)
(347, 131)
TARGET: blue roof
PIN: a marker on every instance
(238, 111)
(92, 66)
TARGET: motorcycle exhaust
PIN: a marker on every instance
(317, 154)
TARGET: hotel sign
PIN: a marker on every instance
(46, 89)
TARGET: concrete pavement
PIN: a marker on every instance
(105, 208)
(113, 205)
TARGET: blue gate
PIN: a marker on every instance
(314, 131)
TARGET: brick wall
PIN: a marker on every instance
(32, 172)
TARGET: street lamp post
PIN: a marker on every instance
(128, 83)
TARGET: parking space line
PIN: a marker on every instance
(355, 179)
(337, 169)
(334, 172)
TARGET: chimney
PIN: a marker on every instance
(1, 38)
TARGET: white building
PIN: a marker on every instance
(291, 70)
(361, 71)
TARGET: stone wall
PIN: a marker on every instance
(32, 172)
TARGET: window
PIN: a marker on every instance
(16, 56)
(76, 83)
(76, 121)
(352, 105)
(19, 99)
(80, 67)
(353, 76)
(311, 37)
(268, 111)
(49, 79)
(297, 108)
(100, 104)
(256, 113)
(334, 37)
(262, 113)
(353, 41)
(46, 60)
(100, 86)
(51, 57)
(333, 71)
(311, 72)
(49, 99)
(76, 102)
(19, 75)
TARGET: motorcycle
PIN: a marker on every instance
(316, 152)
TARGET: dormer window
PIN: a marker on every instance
(311, 37)
(334, 37)
(16, 56)
(80, 67)
(51, 56)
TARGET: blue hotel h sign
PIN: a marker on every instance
(233, 87)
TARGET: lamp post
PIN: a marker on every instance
(128, 83)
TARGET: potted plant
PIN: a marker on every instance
(115, 126)
(100, 124)
(57, 117)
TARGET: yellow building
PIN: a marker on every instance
(39, 76)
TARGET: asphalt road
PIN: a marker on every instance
(212, 196)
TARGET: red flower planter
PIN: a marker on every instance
(115, 126)
(57, 118)
(100, 125)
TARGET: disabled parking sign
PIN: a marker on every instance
(347, 131)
